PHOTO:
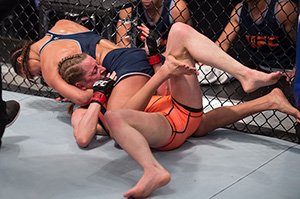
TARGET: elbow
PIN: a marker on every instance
(82, 141)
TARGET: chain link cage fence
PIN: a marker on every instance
(31, 19)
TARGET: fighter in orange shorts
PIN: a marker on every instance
(137, 131)
(183, 119)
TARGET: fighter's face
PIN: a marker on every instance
(148, 3)
(93, 71)
(33, 67)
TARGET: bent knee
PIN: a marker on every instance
(179, 29)
(111, 117)
(113, 120)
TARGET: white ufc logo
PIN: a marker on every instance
(101, 83)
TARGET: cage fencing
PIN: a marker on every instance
(30, 20)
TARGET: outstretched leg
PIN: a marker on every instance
(137, 131)
(223, 116)
(186, 44)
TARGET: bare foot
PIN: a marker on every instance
(149, 182)
(256, 79)
(281, 104)
(176, 67)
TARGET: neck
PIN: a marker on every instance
(257, 7)
(154, 9)
(259, 4)
(33, 53)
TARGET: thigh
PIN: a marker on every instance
(153, 126)
(124, 90)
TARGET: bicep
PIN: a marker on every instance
(123, 26)
(72, 93)
(288, 15)
(180, 12)
(230, 31)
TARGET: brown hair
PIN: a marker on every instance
(21, 50)
(69, 69)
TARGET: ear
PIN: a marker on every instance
(80, 86)
(19, 60)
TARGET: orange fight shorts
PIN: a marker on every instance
(183, 120)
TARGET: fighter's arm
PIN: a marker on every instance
(180, 12)
(65, 26)
(170, 67)
(54, 80)
(87, 125)
(123, 27)
(287, 15)
(230, 31)
(72, 93)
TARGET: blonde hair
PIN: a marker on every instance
(69, 69)
(71, 72)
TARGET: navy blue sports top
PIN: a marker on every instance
(161, 26)
(128, 61)
(269, 45)
(86, 41)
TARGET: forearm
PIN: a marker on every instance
(72, 93)
(77, 96)
(87, 126)
(123, 38)
(123, 27)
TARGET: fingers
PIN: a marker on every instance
(60, 99)
(112, 76)
(191, 69)
(145, 30)
(290, 76)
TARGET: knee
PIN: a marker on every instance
(113, 120)
(179, 29)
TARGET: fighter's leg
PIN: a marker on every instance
(136, 132)
(124, 90)
(223, 116)
(183, 84)
(185, 42)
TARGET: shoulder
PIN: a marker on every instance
(179, 6)
(61, 24)
(238, 7)
(286, 6)
(125, 13)
(67, 26)
(236, 12)
(180, 11)
(287, 11)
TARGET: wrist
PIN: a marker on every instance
(155, 59)
(99, 98)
